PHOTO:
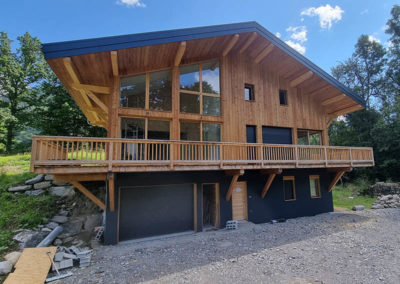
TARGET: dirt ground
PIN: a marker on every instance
(344, 247)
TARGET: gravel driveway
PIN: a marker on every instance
(351, 247)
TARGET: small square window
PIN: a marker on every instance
(289, 188)
(283, 98)
(249, 92)
(315, 190)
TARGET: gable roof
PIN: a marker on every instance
(85, 46)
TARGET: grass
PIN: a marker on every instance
(19, 210)
(348, 196)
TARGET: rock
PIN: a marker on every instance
(68, 240)
(73, 227)
(382, 188)
(377, 206)
(62, 191)
(59, 256)
(13, 257)
(63, 213)
(29, 238)
(93, 221)
(20, 188)
(34, 180)
(49, 177)
(59, 219)
(52, 225)
(35, 192)
(358, 208)
(42, 185)
(5, 267)
(57, 242)
(46, 230)
(60, 183)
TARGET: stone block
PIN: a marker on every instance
(13, 257)
(34, 180)
(358, 208)
(52, 225)
(73, 227)
(59, 219)
(36, 192)
(5, 267)
(20, 188)
(59, 256)
(62, 191)
(92, 221)
(49, 177)
(42, 185)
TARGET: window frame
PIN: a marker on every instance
(318, 184)
(146, 126)
(200, 93)
(320, 132)
(201, 130)
(147, 89)
(291, 178)
(252, 95)
(285, 92)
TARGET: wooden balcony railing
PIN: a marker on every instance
(79, 155)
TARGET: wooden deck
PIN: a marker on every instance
(75, 155)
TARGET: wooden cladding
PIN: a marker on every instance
(109, 154)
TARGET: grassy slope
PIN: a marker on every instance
(347, 197)
(18, 210)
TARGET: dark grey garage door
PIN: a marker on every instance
(276, 135)
(155, 210)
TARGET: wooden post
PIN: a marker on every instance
(111, 191)
(33, 154)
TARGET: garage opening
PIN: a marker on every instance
(211, 215)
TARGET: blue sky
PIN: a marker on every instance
(325, 31)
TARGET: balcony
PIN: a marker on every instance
(75, 155)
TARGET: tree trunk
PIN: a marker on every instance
(10, 137)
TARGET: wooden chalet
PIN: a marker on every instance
(204, 125)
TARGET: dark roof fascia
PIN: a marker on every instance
(85, 46)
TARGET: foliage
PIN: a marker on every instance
(351, 194)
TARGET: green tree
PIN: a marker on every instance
(20, 76)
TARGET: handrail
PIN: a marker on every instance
(110, 152)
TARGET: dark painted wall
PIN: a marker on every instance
(273, 206)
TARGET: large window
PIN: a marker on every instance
(309, 137)
(289, 188)
(151, 90)
(143, 128)
(200, 88)
(196, 131)
(315, 190)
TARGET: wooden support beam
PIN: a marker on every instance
(179, 53)
(272, 174)
(230, 45)
(71, 71)
(248, 42)
(114, 63)
(92, 88)
(111, 191)
(88, 194)
(97, 101)
(303, 77)
(264, 53)
(231, 186)
(234, 172)
(333, 100)
(345, 111)
(80, 177)
(337, 177)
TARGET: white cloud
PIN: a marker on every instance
(296, 46)
(278, 34)
(298, 33)
(327, 14)
(364, 12)
(131, 3)
(371, 38)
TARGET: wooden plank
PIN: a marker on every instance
(32, 267)
(82, 177)
(338, 175)
(88, 194)
(345, 111)
(333, 100)
(97, 101)
(248, 42)
(264, 53)
(92, 88)
(111, 191)
(179, 53)
(300, 79)
(114, 63)
(230, 45)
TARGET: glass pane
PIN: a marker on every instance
(211, 132)
(189, 78)
(132, 128)
(313, 187)
(133, 91)
(189, 103)
(289, 189)
(247, 91)
(190, 131)
(283, 97)
(211, 105)
(315, 137)
(158, 130)
(210, 77)
(302, 138)
(160, 90)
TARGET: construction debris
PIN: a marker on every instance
(67, 257)
(50, 237)
(232, 225)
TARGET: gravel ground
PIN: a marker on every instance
(351, 247)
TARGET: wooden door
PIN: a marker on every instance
(239, 201)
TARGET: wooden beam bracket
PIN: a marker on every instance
(337, 177)
(272, 174)
(180, 53)
(235, 175)
(88, 194)
(230, 45)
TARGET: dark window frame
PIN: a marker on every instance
(283, 97)
(292, 179)
(252, 95)
(318, 186)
